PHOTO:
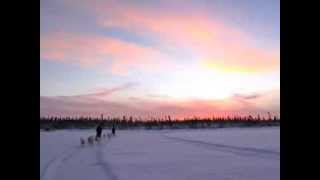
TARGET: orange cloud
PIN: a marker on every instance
(74, 106)
(210, 39)
(92, 104)
(214, 43)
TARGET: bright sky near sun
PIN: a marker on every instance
(156, 58)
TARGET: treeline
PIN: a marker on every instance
(48, 123)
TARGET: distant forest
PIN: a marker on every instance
(50, 123)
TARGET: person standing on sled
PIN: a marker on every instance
(99, 131)
(113, 130)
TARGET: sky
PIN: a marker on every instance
(148, 58)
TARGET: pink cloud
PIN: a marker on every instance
(98, 94)
(89, 105)
(211, 39)
(94, 51)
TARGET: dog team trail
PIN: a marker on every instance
(166, 154)
(79, 162)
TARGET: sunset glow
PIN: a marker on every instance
(142, 58)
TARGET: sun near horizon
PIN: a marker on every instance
(178, 58)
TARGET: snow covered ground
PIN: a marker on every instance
(219, 154)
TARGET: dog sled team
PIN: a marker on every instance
(92, 139)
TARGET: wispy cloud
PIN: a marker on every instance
(101, 93)
(99, 51)
(244, 96)
(193, 54)
(82, 105)
(214, 43)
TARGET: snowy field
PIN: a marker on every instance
(203, 154)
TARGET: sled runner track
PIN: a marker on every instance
(43, 173)
(55, 162)
(71, 154)
(245, 151)
(105, 166)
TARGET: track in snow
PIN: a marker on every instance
(56, 163)
(244, 151)
(105, 166)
